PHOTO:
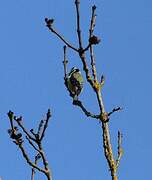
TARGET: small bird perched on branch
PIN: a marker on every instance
(74, 83)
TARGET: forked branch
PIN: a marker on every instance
(96, 86)
(34, 140)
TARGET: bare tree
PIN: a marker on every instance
(18, 132)
(92, 79)
(34, 139)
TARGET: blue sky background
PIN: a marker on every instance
(31, 76)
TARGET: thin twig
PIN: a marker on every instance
(114, 110)
(45, 162)
(65, 61)
(77, 4)
(31, 143)
(37, 157)
(59, 36)
(40, 128)
(120, 150)
(92, 25)
(48, 115)
(28, 160)
(19, 122)
(17, 138)
(86, 49)
(11, 118)
(87, 113)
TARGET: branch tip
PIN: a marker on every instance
(94, 7)
(102, 80)
(49, 22)
(120, 149)
(115, 110)
(10, 115)
(49, 113)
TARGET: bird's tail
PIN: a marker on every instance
(75, 98)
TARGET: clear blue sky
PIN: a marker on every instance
(31, 77)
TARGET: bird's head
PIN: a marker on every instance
(73, 70)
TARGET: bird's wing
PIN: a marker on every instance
(77, 78)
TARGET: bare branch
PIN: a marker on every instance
(48, 115)
(65, 61)
(77, 4)
(86, 49)
(96, 86)
(58, 35)
(93, 18)
(37, 157)
(45, 162)
(93, 64)
(28, 160)
(17, 139)
(86, 68)
(11, 118)
(87, 113)
(91, 39)
(31, 143)
(40, 127)
(19, 122)
(114, 110)
(102, 80)
(120, 150)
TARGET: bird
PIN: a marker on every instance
(74, 83)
